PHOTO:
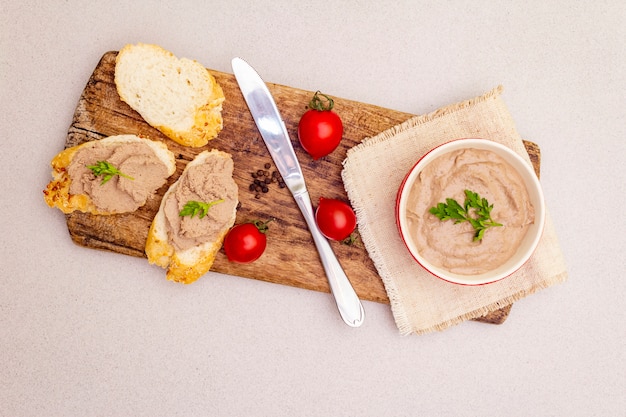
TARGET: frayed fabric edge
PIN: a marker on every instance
(399, 313)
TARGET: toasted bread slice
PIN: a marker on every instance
(70, 167)
(187, 246)
(179, 97)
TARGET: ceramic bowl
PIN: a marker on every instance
(528, 244)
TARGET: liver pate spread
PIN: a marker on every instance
(451, 246)
(135, 159)
(206, 182)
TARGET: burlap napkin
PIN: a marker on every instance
(372, 173)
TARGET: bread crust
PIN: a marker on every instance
(57, 192)
(179, 97)
(188, 265)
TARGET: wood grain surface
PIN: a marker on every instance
(291, 258)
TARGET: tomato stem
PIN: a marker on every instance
(321, 104)
(350, 240)
(261, 225)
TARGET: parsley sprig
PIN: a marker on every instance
(192, 208)
(480, 221)
(107, 170)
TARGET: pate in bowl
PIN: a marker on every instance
(471, 211)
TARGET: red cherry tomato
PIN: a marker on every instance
(335, 218)
(246, 242)
(320, 129)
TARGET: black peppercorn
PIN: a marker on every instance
(262, 178)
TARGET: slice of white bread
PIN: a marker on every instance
(57, 193)
(188, 264)
(179, 97)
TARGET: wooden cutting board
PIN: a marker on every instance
(291, 258)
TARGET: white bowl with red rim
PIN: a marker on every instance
(528, 244)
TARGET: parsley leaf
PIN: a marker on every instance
(107, 170)
(192, 208)
(480, 220)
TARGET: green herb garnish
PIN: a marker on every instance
(452, 210)
(192, 208)
(107, 171)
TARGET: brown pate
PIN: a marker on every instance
(451, 246)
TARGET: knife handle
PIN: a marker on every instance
(348, 302)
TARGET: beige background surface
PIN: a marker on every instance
(92, 333)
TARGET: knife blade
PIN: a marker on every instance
(274, 133)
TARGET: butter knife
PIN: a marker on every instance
(274, 133)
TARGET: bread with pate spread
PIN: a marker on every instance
(142, 166)
(179, 97)
(187, 244)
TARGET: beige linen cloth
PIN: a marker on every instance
(372, 173)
